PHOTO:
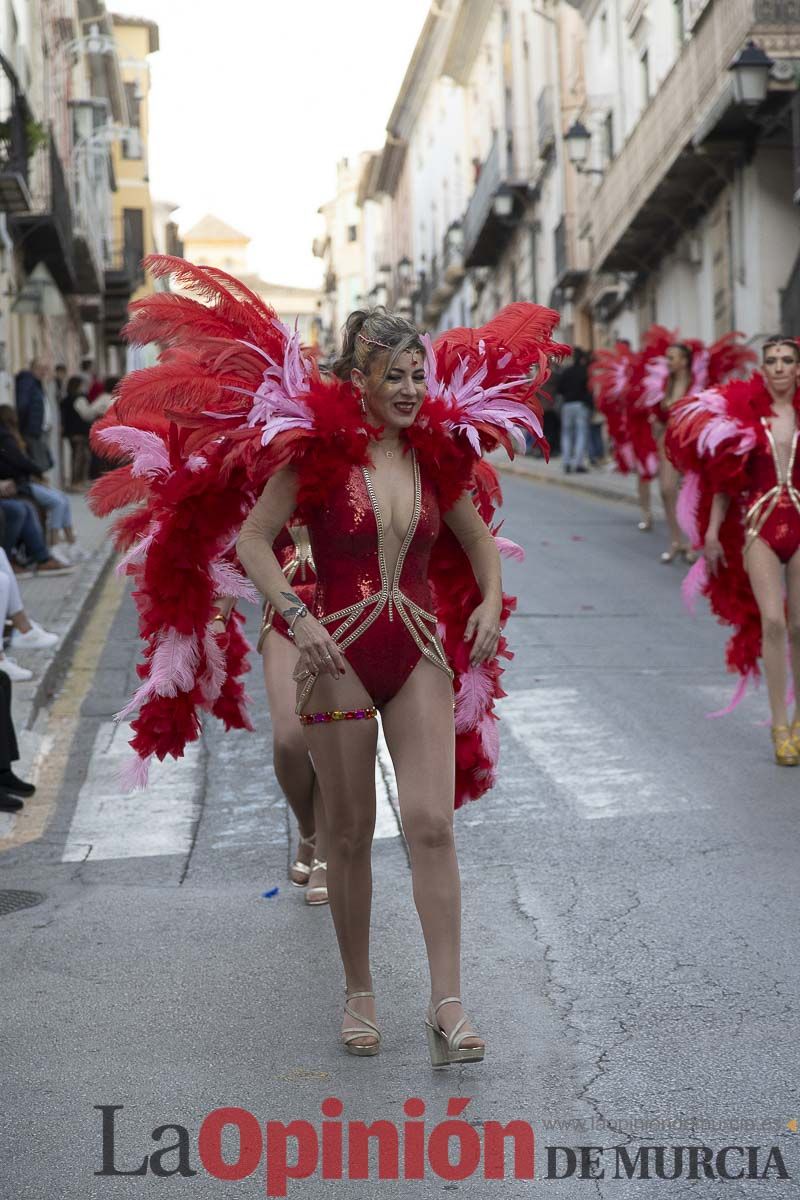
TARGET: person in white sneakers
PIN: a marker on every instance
(26, 634)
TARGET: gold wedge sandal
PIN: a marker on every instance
(301, 869)
(448, 1049)
(318, 894)
(787, 751)
(349, 1036)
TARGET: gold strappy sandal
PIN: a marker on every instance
(349, 1036)
(318, 894)
(787, 753)
(446, 1049)
(300, 868)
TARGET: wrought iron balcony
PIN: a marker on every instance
(45, 232)
(676, 159)
(453, 254)
(570, 267)
(493, 212)
(546, 120)
(15, 196)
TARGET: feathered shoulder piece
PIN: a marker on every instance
(233, 398)
(714, 431)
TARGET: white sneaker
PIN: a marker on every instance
(36, 638)
(13, 670)
(77, 554)
(61, 554)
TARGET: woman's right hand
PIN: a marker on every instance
(319, 654)
(713, 553)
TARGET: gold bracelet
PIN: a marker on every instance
(219, 615)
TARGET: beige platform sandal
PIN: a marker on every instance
(448, 1049)
(349, 1036)
(301, 869)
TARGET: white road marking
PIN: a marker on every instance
(386, 810)
(108, 823)
(593, 772)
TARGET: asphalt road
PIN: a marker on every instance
(630, 918)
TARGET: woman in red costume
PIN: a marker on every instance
(616, 378)
(383, 462)
(293, 767)
(740, 502)
(684, 368)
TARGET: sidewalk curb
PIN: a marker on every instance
(554, 478)
(78, 604)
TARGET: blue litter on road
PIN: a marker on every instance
(268, 895)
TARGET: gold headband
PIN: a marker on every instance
(372, 341)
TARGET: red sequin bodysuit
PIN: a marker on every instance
(383, 625)
(773, 498)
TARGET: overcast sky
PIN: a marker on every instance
(255, 101)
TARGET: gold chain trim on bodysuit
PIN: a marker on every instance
(759, 513)
(420, 624)
(301, 561)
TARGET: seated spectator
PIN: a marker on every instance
(12, 788)
(22, 528)
(26, 634)
(76, 430)
(16, 465)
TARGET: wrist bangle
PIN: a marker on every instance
(301, 612)
(219, 615)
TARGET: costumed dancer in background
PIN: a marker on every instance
(139, 404)
(294, 769)
(683, 369)
(383, 463)
(616, 379)
(737, 446)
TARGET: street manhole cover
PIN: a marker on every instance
(10, 901)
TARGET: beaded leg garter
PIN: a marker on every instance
(338, 714)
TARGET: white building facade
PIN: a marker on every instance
(682, 210)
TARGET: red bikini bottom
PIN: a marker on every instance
(781, 530)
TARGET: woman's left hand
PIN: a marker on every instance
(484, 626)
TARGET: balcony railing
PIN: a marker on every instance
(697, 81)
(480, 206)
(546, 120)
(14, 194)
(570, 266)
(91, 206)
(47, 228)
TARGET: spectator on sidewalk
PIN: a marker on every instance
(573, 390)
(60, 382)
(26, 634)
(33, 413)
(93, 410)
(76, 430)
(22, 528)
(92, 385)
(15, 464)
(12, 788)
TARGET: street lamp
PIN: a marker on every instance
(750, 70)
(578, 139)
(503, 205)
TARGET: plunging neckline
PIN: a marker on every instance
(381, 528)
(784, 467)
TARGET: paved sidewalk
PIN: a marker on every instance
(60, 603)
(605, 481)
